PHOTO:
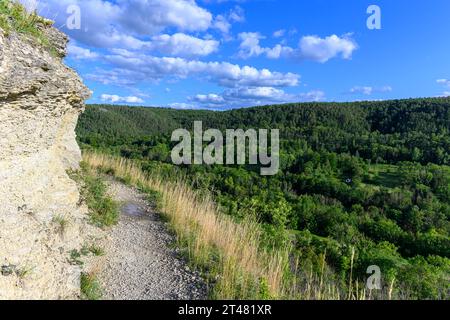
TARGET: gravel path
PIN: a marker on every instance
(139, 262)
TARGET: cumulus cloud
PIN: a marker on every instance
(112, 98)
(223, 22)
(250, 47)
(181, 105)
(106, 24)
(125, 23)
(116, 77)
(143, 25)
(312, 96)
(79, 53)
(362, 90)
(279, 33)
(157, 15)
(236, 14)
(321, 50)
(257, 93)
(310, 48)
(148, 41)
(178, 44)
(182, 45)
(133, 68)
(368, 90)
(251, 96)
(444, 82)
(209, 98)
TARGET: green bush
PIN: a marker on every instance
(103, 210)
(90, 288)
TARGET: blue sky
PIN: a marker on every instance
(221, 54)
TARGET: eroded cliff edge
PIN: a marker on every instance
(40, 101)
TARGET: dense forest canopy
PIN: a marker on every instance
(369, 176)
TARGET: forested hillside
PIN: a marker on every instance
(373, 177)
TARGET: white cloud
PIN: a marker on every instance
(321, 50)
(157, 15)
(253, 96)
(312, 96)
(181, 105)
(368, 90)
(80, 53)
(266, 93)
(362, 90)
(444, 82)
(182, 45)
(209, 98)
(138, 24)
(310, 48)
(279, 33)
(118, 99)
(178, 44)
(117, 76)
(279, 51)
(249, 46)
(237, 14)
(148, 41)
(133, 67)
(223, 22)
(108, 24)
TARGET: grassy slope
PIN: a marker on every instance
(231, 254)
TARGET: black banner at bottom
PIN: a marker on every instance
(226, 309)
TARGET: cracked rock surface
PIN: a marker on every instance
(40, 101)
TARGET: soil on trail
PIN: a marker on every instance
(140, 262)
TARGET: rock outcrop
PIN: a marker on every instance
(41, 219)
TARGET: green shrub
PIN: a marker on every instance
(103, 210)
(90, 288)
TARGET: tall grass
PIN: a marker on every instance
(15, 18)
(239, 267)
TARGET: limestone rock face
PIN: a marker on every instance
(40, 101)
